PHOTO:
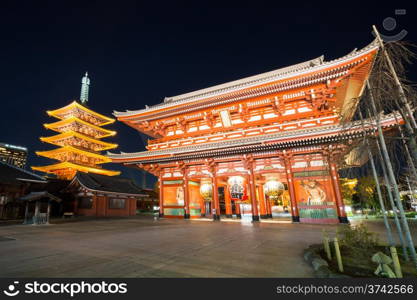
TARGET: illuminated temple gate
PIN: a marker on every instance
(271, 143)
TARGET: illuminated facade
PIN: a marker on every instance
(271, 143)
(13, 155)
(79, 139)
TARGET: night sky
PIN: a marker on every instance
(137, 53)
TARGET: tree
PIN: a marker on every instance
(366, 191)
(347, 187)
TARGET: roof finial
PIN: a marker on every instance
(85, 84)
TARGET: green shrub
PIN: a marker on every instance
(411, 214)
(357, 237)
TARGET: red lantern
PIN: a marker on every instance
(237, 189)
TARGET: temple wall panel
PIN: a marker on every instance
(86, 212)
(100, 208)
(173, 195)
(315, 199)
(128, 210)
(196, 201)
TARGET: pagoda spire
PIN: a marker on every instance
(85, 85)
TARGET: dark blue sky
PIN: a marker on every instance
(139, 52)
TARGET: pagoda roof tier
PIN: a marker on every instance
(298, 76)
(65, 153)
(265, 142)
(71, 168)
(75, 124)
(81, 112)
(79, 140)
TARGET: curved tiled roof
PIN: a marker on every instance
(34, 196)
(313, 65)
(112, 184)
(13, 175)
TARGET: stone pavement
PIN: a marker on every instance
(143, 247)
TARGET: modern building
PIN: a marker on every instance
(13, 155)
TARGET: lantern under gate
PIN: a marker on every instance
(237, 188)
(206, 189)
(273, 188)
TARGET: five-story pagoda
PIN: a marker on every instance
(79, 139)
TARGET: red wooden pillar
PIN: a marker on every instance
(228, 202)
(95, 203)
(262, 204)
(269, 208)
(215, 207)
(127, 208)
(76, 205)
(213, 202)
(237, 210)
(186, 197)
(106, 203)
(202, 206)
(132, 206)
(255, 213)
(290, 181)
(338, 195)
(161, 196)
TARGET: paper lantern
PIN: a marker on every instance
(237, 188)
(206, 189)
(273, 188)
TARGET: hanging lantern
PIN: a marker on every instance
(273, 188)
(237, 188)
(206, 189)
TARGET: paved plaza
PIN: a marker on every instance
(143, 247)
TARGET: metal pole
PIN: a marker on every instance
(378, 188)
(402, 95)
(338, 255)
(407, 151)
(381, 202)
(392, 178)
(394, 208)
(326, 245)
(404, 101)
(396, 262)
